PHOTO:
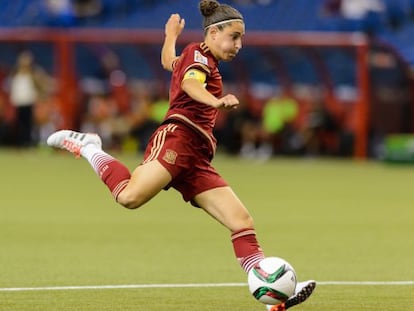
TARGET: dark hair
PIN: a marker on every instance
(214, 12)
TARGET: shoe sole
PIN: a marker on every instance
(301, 296)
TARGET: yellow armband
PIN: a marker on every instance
(195, 74)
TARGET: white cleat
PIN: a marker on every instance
(303, 291)
(73, 141)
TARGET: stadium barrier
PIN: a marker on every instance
(63, 44)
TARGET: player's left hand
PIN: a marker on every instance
(228, 101)
(174, 25)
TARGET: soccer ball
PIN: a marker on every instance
(272, 281)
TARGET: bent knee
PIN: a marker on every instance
(131, 200)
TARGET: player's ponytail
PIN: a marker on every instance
(216, 14)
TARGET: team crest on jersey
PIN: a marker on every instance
(170, 156)
(199, 58)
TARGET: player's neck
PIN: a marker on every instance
(211, 49)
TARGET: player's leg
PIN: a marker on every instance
(223, 205)
(130, 192)
(146, 181)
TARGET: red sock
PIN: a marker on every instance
(113, 173)
(246, 248)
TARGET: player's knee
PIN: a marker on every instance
(131, 200)
(246, 221)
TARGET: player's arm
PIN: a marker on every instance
(173, 29)
(193, 85)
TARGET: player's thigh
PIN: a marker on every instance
(146, 181)
(224, 205)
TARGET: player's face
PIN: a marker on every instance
(228, 41)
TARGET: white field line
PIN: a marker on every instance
(194, 285)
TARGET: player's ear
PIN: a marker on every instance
(213, 32)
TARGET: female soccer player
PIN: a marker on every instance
(180, 151)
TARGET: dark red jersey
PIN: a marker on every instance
(199, 116)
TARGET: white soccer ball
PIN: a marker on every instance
(272, 281)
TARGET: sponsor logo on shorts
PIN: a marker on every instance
(170, 156)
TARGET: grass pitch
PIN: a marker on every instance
(341, 221)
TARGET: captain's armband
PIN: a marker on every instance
(195, 74)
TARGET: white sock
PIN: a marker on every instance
(95, 156)
(89, 151)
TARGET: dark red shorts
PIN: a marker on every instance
(187, 156)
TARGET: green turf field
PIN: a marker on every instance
(335, 221)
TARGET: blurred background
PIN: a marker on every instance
(316, 78)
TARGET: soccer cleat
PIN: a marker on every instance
(302, 292)
(279, 307)
(73, 141)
